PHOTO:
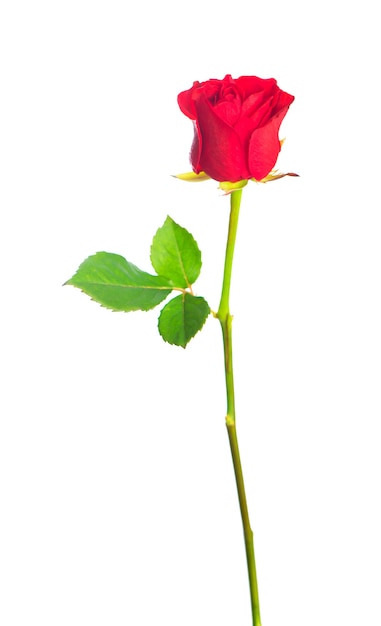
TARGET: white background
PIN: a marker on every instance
(118, 503)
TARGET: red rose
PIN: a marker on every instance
(236, 123)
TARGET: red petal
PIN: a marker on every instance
(246, 125)
(264, 147)
(229, 110)
(248, 85)
(252, 103)
(195, 152)
(186, 104)
(222, 156)
(186, 98)
(284, 100)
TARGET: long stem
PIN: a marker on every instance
(225, 319)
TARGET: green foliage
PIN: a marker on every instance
(119, 285)
(174, 253)
(182, 318)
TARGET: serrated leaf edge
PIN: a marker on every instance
(184, 293)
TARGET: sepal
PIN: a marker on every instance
(192, 177)
(274, 175)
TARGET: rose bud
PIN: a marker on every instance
(236, 126)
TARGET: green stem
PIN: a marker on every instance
(226, 318)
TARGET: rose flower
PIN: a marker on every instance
(236, 125)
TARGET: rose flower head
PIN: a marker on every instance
(236, 126)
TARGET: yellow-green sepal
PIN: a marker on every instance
(192, 177)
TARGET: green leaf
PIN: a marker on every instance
(119, 285)
(174, 253)
(182, 318)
